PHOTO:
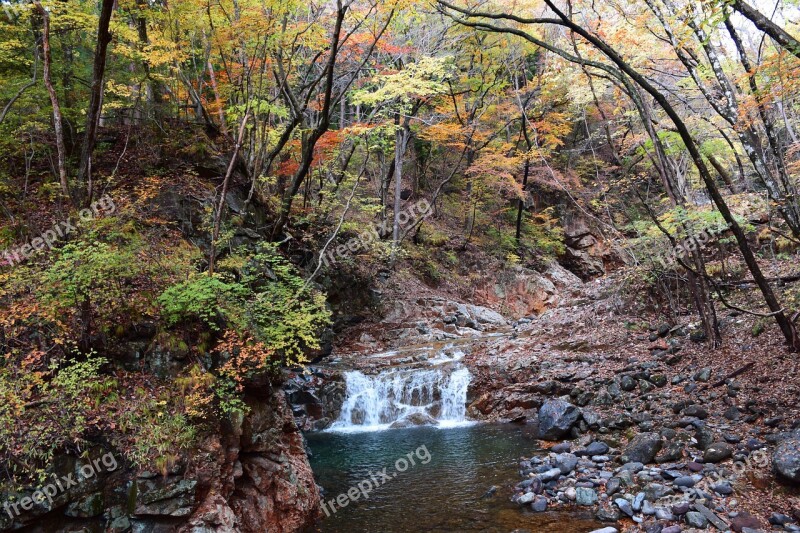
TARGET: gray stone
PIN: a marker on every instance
(642, 448)
(556, 419)
(613, 485)
(719, 451)
(165, 497)
(680, 508)
(648, 509)
(539, 505)
(549, 475)
(696, 520)
(627, 383)
(638, 501)
(723, 489)
(566, 462)
(664, 514)
(526, 498)
(595, 448)
(786, 460)
(585, 496)
(696, 411)
(684, 481)
(624, 506)
(711, 517)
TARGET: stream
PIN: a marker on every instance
(403, 457)
(448, 494)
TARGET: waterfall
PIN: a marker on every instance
(405, 397)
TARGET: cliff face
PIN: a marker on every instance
(253, 477)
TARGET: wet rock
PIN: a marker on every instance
(526, 498)
(643, 448)
(533, 484)
(719, 451)
(556, 419)
(415, 419)
(539, 504)
(786, 460)
(549, 475)
(87, 507)
(607, 514)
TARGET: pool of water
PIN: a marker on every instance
(435, 480)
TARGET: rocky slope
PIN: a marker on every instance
(253, 477)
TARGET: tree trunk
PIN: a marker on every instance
(402, 133)
(57, 117)
(761, 22)
(96, 98)
(225, 184)
(786, 325)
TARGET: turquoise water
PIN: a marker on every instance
(442, 491)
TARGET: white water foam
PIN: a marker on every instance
(375, 402)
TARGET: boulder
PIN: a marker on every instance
(642, 448)
(786, 460)
(556, 419)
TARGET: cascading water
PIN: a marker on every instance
(433, 395)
